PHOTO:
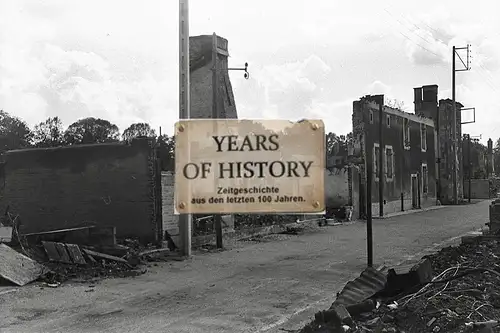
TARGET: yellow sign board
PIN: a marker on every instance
(249, 166)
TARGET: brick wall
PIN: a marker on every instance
(105, 184)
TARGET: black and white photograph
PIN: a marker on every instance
(227, 166)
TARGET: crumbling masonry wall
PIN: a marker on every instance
(201, 94)
(170, 221)
(200, 66)
(103, 184)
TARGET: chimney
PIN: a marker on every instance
(417, 99)
(430, 93)
(428, 106)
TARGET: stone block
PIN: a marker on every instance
(337, 314)
(343, 315)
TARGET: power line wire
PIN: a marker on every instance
(405, 26)
(488, 79)
(411, 40)
(420, 28)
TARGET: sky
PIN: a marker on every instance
(118, 60)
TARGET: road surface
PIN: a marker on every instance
(258, 287)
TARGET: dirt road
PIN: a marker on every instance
(255, 288)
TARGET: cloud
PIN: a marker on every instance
(284, 91)
(336, 115)
(427, 53)
(40, 78)
(378, 88)
(433, 33)
(478, 94)
(118, 60)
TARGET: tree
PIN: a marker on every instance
(137, 130)
(331, 139)
(337, 151)
(167, 152)
(478, 155)
(14, 132)
(338, 145)
(91, 130)
(49, 133)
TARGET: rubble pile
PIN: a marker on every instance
(84, 253)
(462, 296)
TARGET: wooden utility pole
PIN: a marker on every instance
(469, 165)
(369, 221)
(402, 170)
(381, 178)
(215, 115)
(368, 159)
(185, 220)
(454, 131)
(454, 117)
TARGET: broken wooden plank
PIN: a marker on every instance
(57, 252)
(117, 250)
(50, 249)
(18, 268)
(72, 236)
(63, 253)
(91, 258)
(90, 235)
(75, 254)
(59, 231)
(154, 251)
(104, 256)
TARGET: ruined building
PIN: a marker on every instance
(415, 167)
(426, 104)
(408, 167)
(201, 94)
(200, 68)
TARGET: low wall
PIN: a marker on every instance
(336, 188)
(64, 187)
(171, 222)
(480, 189)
